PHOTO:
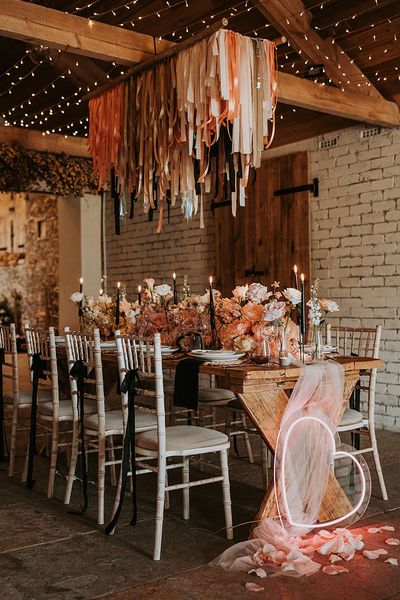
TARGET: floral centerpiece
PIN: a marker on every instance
(319, 309)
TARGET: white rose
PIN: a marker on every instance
(124, 305)
(292, 295)
(240, 292)
(162, 290)
(76, 297)
(150, 283)
(258, 293)
(328, 305)
(274, 311)
(244, 344)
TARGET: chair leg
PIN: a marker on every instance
(25, 469)
(101, 472)
(226, 492)
(186, 498)
(14, 423)
(265, 463)
(112, 458)
(247, 439)
(378, 462)
(167, 504)
(118, 493)
(160, 508)
(53, 458)
(72, 463)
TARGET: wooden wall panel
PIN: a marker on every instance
(271, 233)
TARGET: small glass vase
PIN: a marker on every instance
(317, 353)
(283, 350)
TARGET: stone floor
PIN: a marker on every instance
(47, 552)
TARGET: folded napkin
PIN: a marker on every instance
(186, 388)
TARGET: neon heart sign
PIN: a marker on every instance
(335, 455)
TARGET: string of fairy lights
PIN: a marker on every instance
(24, 114)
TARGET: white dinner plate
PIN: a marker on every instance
(215, 357)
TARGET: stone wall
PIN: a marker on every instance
(35, 277)
(355, 244)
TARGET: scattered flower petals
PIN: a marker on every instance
(374, 530)
(253, 587)
(334, 558)
(392, 561)
(326, 534)
(334, 570)
(380, 529)
(259, 572)
(387, 528)
(371, 554)
(381, 551)
(392, 542)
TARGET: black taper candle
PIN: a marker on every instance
(175, 289)
(296, 277)
(117, 307)
(80, 312)
(139, 294)
(212, 309)
(303, 307)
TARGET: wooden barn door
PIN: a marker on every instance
(271, 233)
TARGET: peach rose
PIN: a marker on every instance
(253, 312)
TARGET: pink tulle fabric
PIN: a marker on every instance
(277, 545)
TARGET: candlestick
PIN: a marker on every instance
(139, 289)
(117, 307)
(175, 289)
(296, 278)
(80, 311)
(303, 307)
(212, 317)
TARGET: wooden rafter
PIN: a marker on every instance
(331, 100)
(284, 15)
(36, 24)
(36, 140)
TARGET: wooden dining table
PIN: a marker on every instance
(264, 391)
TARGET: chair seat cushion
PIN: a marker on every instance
(235, 405)
(25, 396)
(182, 437)
(215, 395)
(114, 420)
(351, 417)
(65, 408)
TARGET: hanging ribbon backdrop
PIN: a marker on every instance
(192, 124)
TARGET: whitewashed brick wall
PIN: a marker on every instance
(355, 244)
(181, 247)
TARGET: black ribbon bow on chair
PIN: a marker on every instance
(37, 367)
(128, 453)
(2, 360)
(79, 372)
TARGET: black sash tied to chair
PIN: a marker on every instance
(79, 372)
(37, 367)
(2, 360)
(128, 454)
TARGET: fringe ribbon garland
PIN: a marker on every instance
(160, 130)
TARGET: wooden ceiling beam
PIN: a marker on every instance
(330, 100)
(37, 140)
(36, 24)
(285, 16)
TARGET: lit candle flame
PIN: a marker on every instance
(211, 279)
(81, 280)
(174, 275)
(101, 292)
(295, 269)
(302, 277)
(118, 284)
(139, 288)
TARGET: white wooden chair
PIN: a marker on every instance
(50, 414)
(356, 341)
(178, 441)
(17, 400)
(101, 425)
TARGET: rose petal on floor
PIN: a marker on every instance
(374, 530)
(371, 554)
(334, 558)
(392, 542)
(387, 528)
(334, 570)
(392, 561)
(253, 587)
(259, 572)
